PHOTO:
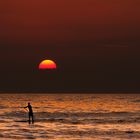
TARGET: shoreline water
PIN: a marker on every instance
(71, 116)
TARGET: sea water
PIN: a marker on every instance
(70, 116)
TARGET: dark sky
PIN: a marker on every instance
(95, 43)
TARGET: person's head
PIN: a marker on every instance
(28, 103)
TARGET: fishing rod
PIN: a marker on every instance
(26, 109)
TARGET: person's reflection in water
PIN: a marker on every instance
(31, 115)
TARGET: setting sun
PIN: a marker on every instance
(47, 64)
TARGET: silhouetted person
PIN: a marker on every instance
(31, 115)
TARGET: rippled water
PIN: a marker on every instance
(71, 116)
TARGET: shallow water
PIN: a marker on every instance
(71, 116)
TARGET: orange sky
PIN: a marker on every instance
(69, 20)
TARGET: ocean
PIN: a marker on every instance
(70, 117)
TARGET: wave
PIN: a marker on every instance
(2, 107)
(83, 121)
(86, 133)
(68, 114)
(74, 114)
(75, 118)
(137, 101)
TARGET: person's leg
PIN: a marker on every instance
(29, 119)
(32, 118)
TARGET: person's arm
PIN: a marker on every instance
(26, 106)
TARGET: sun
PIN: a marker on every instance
(47, 64)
